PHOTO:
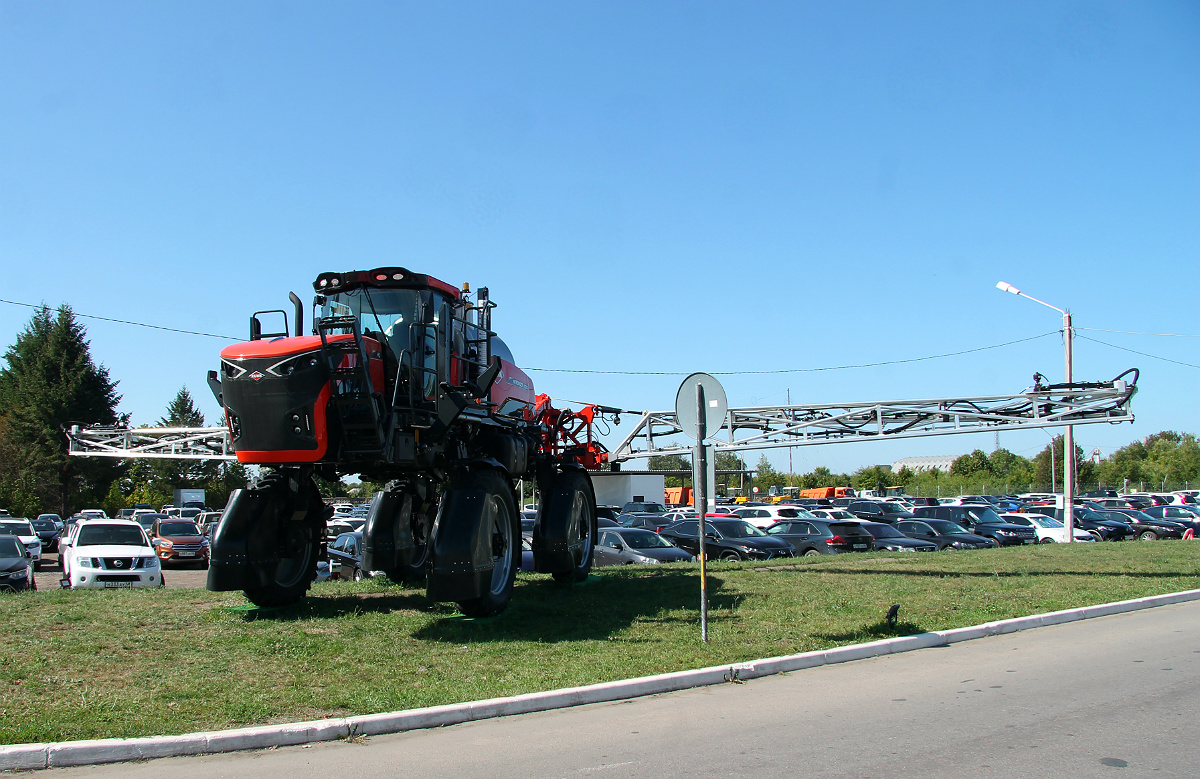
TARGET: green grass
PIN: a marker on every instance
(101, 664)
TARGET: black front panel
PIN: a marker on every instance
(272, 402)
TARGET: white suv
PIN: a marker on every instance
(24, 532)
(109, 553)
(765, 516)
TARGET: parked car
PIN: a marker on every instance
(147, 519)
(889, 538)
(109, 553)
(208, 521)
(1102, 528)
(643, 507)
(1048, 529)
(1184, 515)
(812, 537)
(607, 512)
(16, 566)
(838, 515)
(56, 519)
(19, 528)
(179, 541)
(981, 520)
(645, 521)
(335, 527)
(765, 516)
(47, 533)
(346, 550)
(1145, 527)
(944, 534)
(625, 546)
(727, 539)
(878, 511)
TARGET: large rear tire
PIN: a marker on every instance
(583, 517)
(299, 542)
(505, 527)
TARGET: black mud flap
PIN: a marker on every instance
(245, 550)
(460, 551)
(557, 542)
(387, 535)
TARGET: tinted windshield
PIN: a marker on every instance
(945, 526)
(178, 529)
(893, 508)
(644, 539)
(884, 531)
(16, 529)
(117, 535)
(386, 311)
(43, 524)
(646, 508)
(740, 529)
(9, 547)
(985, 515)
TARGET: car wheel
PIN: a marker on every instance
(1096, 535)
(1147, 535)
(730, 556)
(358, 575)
(1047, 541)
(811, 553)
(995, 543)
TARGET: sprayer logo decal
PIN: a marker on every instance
(257, 375)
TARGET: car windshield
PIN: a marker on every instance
(740, 529)
(892, 508)
(945, 526)
(1041, 520)
(884, 531)
(115, 535)
(644, 539)
(16, 529)
(43, 524)
(838, 514)
(646, 508)
(9, 547)
(178, 529)
(985, 515)
(919, 527)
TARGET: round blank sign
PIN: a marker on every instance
(715, 404)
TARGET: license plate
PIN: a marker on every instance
(117, 584)
(1029, 541)
(860, 546)
(187, 554)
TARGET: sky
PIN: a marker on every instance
(644, 187)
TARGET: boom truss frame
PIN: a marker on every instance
(772, 427)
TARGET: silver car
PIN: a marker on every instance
(629, 545)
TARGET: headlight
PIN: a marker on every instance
(149, 562)
(164, 542)
(1004, 532)
(19, 574)
(647, 560)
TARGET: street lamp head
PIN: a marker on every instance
(1004, 286)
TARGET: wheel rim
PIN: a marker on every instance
(583, 527)
(501, 544)
(292, 570)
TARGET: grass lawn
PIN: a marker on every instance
(97, 664)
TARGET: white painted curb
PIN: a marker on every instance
(114, 750)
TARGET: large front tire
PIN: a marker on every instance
(504, 524)
(583, 516)
(300, 546)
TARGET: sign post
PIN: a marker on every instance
(700, 407)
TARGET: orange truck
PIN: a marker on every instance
(829, 492)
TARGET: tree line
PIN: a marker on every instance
(50, 381)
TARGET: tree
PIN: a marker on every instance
(169, 475)
(672, 462)
(49, 382)
(766, 476)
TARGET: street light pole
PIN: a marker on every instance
(1069, 437)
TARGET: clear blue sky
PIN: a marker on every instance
(644, 186)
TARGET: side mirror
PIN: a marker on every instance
(619, 547)
(711, 536)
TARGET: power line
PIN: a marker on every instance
(1134, 351)
(1135, 332)
(798, 370)
(126, 322)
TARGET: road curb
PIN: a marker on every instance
(19, 757)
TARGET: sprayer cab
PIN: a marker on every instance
(391, 353)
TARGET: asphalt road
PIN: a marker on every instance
(1115, 696)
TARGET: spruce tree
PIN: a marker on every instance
(50, 381)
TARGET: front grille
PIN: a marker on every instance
(186, 547)
(118, 563)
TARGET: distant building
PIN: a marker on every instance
(919, 464)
